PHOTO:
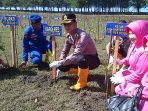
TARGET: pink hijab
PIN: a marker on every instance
(140, 29)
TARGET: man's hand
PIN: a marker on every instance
(117, 79)
(23, 64)
(55, 64)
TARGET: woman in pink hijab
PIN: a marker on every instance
(129, 80)
(139, 28)
(137, 59)
(143, 105)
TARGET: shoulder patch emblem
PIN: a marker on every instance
(67, 35)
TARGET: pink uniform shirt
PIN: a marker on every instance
(81, 43)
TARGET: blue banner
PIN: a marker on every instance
(117, 29)
(10, 20)
(52, 30)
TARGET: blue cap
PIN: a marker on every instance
(34, 18)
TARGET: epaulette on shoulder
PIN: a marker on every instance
(67, 35)
(80, 32)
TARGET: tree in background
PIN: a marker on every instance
(138, 4)
(86, 4)
(59, 3)
(24, 4)
(67, 5)
(10, 3)
(1, 3)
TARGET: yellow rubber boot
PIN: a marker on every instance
(73, 71)
(82, 81)
(48, 57)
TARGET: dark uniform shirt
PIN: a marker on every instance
(33, 40)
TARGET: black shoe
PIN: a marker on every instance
(43, 66)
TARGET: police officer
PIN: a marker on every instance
(84, 57)
(34, 41)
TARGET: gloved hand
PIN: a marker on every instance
(117, 79)
(58, 74)
(118, 61)
(55, 64)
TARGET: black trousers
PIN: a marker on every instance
(83, 61)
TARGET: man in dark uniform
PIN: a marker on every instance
(84, 57)
(34, 41)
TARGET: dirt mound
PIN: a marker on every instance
(89, 101)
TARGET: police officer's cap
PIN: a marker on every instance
(68, 18)
(35, 18)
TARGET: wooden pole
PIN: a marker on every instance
(114, 62)
(16, 54)
(0, 38)
(106, 69)
(53, 56)
(111, 39)
(13, 56)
